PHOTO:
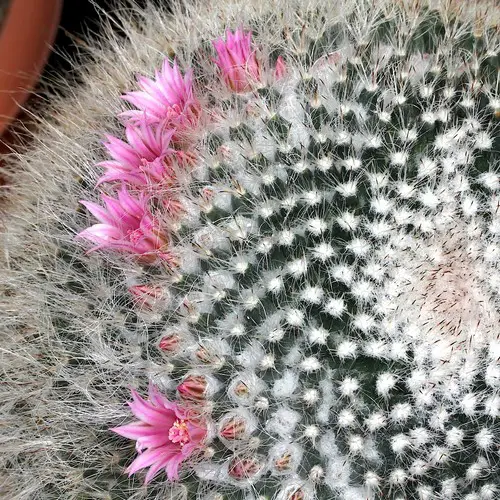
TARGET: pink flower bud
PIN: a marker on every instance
(237, 61)
(173, 207)
(234, 428)
(206, 199)
(170, 343)
(193, 389)
(279, 69)
(298, 494)
(284, 462)
(244, 467)
(241, 390)
(146, 295)
(208, 357)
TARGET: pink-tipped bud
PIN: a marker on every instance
(241, 390)
(237, 60)
(170, 343)
(298, 494)
(206, 199)
(279, 69)
(244, 467)
(208, 357)
(146, 296)
(173, 207)
(193, 389)
(234, 428)
(284, 462)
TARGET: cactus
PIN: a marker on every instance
(297, 256)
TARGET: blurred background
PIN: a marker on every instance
(38, 39)
(77, 18)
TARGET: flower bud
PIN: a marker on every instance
(237, 61)
(279, 69)
(146, 296)
(193, 388)
(296, 490)
(234, 428)
(170, 343)
(246, 467)
(282, 463)
(208, 357)
(285, 458)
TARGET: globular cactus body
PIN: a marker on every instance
(313, 272)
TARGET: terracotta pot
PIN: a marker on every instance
(26, 35)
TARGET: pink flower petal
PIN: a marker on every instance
(121, 151)
(155, 468)
(100, 233)
(121, 218)
(168, 95)
(173, 467)
(141, 430)
(148, 413)
(145, 459)
(98, 212)
(159, 399)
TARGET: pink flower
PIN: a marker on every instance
(126, 225)
(144, 160)
(237, 60)
(169, 98)
(166, 434)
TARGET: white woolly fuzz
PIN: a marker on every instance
(323, 252)
(346, 418)
(335, 307)
(297, 267)
(286, 385)
(385, 382)
(295, 317)
(318, 335)
(283, 422)
(376, 421)
(311, 432)
(349, 387)
(311, 396)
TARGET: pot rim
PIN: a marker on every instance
(26, 35)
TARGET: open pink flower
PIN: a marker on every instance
(168, 98)
(237, 60)
(142, 160)
(126, 225)
(166, 434)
